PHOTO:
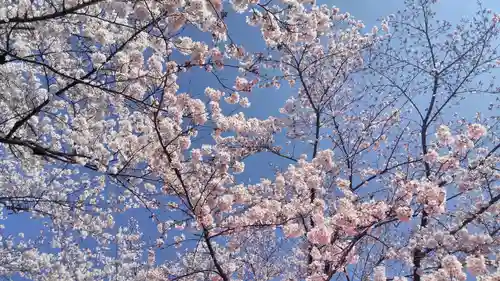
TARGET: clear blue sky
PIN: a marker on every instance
(267, 102)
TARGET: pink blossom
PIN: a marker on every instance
(350, 230)
(293, 230)
(452, 269)
(244, 102)
(354, 259)
(315, 254)
(317, 277)
(462, 144)
(444, 135)
(319, 235)
(100, 106)
(476, 131)
(431, 156)
(379, 273)
(242, 84)
(233, 98)
(476, 265)
(225, 202)
(217, 4)
(404, 213)
(448, 162)
(178, 22)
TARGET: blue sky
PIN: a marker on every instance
(267, 102)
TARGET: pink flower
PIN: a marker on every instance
(476, 131)
(317, 277)
(431, 156)
(318, 218)
(315, 254)
(476, 265)
(242, 84)
(462, 144)
(444, 135)
(293, 230)
(385, 26)
(324, 158)
(233, 98)
(217, 58)
(319, 235)
(453, 267)
(350, 230)
(244, 102)
(404, 213)
(448, 162)
(225, 202)
(379, 273)
(217, 4)
(178, 23)
(206, 220)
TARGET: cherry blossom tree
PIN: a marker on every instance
(98, 138)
